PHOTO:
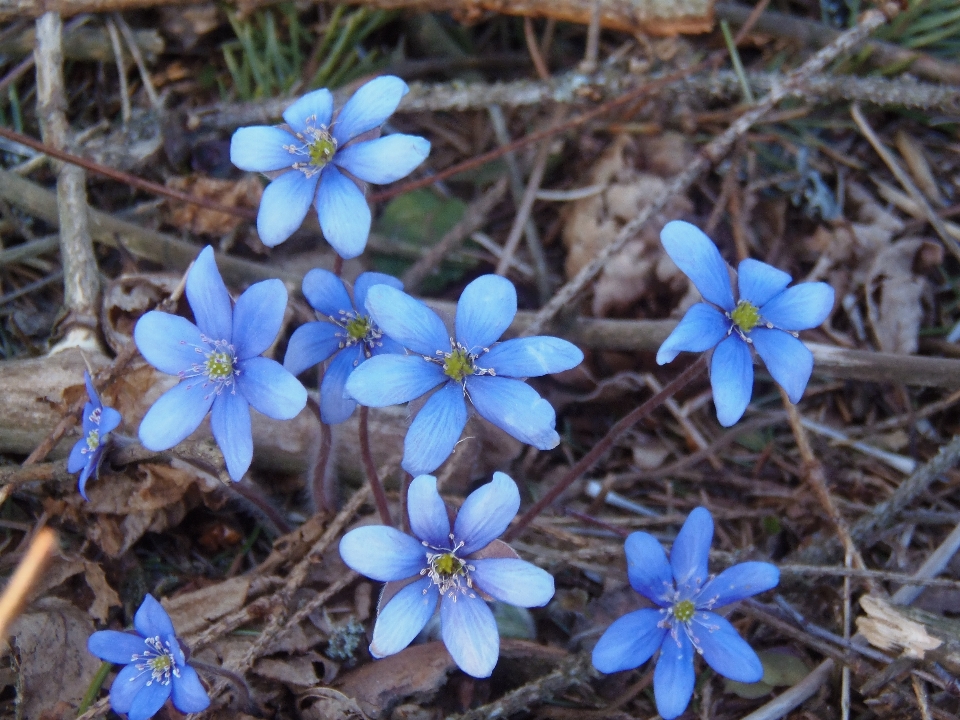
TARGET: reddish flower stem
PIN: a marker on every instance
(379, 496)
(320, 492)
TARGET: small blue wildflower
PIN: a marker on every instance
(156, 667)
(684, 623)
(344, 331)
(98, 421)
(461, 569)
(313, 149)
(468, 365)
(767, 317)
(219, 366)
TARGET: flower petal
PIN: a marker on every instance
(115, 647)
(91, 390)
(801, 307)
(94, 464)
(393, 379)
(787, 359)
(702, 327)
(189, 695)
(209, 298)
(512, 581)
(284, 205)
(724, 650)
(758, 282)
(515, 407)
(230, 422)
(629, 642)
(78, 458)
(385, 159)
(271, 390)
(149, 701)
(126, 686)
(311, 343)
(176, 414)
(698, 259)
(152, 620)
(486, 513)
(673, 679)
(647, 568)
(531, 357)
(428, 513)
(315, 107)
(168, 342)
(367, 280)
(731, 377)
(369, 107)
(484, 311)
(435, 430)
(326, 293)
(260, 149)
(738, 582)
(109, 419)
(402, 619)
(383, 553)
(470, 633)
(343, 212)
(257, 318)
(335, 405)
(407, 320)
(691, 551)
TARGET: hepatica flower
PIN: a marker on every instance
(98, 421)
(461, 568)
(684, 622)
(312, 149)
(468, 365)
(156, 667)
(345, 332)
(219, 365)
(766, 316)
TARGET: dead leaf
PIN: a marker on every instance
(195, 610)
(328, 704)
(296, 672)
(104, 596)
(894, 295)
(126, 299)
(244, 193)
(887, 629)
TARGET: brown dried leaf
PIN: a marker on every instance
(194, 610)
(104, 596)
(245, 193)
(296, 672)
(328, 704)
(894, 294)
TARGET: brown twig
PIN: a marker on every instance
(26, 575)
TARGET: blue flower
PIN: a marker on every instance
(345, 332)
(98, 421)
(219, 366)
(461, 569)
(767, 316)
(466, 366)
(156, 667)
(684, 623)
(313, 149)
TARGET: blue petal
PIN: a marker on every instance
(701, 328)
(209, 298)
(271, 390)
(383, 553)
(91, 390)
(260, 149)
(257, 318)
(169, 342)
(758, 282)
(393, 379)
(435, 430)
(486, 513)
(698, 258)
(335, 405)
(126, 686)
(484, 311)
(731, 377)
(385, 159)
(629, 642)
(311, 343)
(738, 582)
(515, 407)
(367, 280)
(189, 695)
(402, 619)
(407, 320)
(78, 458)
(470, 633)
(284, 205)
(85, 475)
(149, 701)
(151, 620)
(801, 307)
(387, 346)
(673, 679)
(230, 422)
(787, 359)
(343, 212)
(691, 550)
(428, 513)
(513, 581)
(177, 413)
(531, 357)
(326, 294)
(369, 107)
(115, 647)
(109, 419)
(89, 419)
(724, 650)
(647, 568)
(316, 106)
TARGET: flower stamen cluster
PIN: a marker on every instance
(158, 660)
(219, 366)
(320, 147)
(359, 329)
(450, 573)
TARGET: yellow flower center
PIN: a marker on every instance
(446, 565)
(458, 365)
(745, 316)
(358, 328)
(160, 664)
(683, 611)
(219, 365)
(93, 440)
(322, 148)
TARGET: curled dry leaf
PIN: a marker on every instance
(126, 299)
(328, 704)
(192, 611)
(244, 193)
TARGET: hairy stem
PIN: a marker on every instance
(321, 492)
(238, 683)
(376, 486)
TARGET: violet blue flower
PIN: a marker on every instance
(766, 316)
(345, 331)
(156, 667)
(219, 365)
(684, 623)
(468, 365)
(98, 421)
(461, 569)
(313, 148)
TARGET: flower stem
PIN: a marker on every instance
(405, 480)
(601, 448)
(239, 684)
(338, 266)
(94, 688)
(376, 486)
(321, 491)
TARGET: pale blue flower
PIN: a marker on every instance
(98, 421)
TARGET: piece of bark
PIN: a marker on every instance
(917, 634)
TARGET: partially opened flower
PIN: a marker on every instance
(460, 568)
(684, 623)
(219, 365)
(98, 421)
(313, 148)
(156, 667)
(345, 332)
(469, 365)
(766, 315)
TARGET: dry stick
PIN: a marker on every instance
(376, 487)
(125, 111)
(534, 49)
(25, 577)
(138, 59)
